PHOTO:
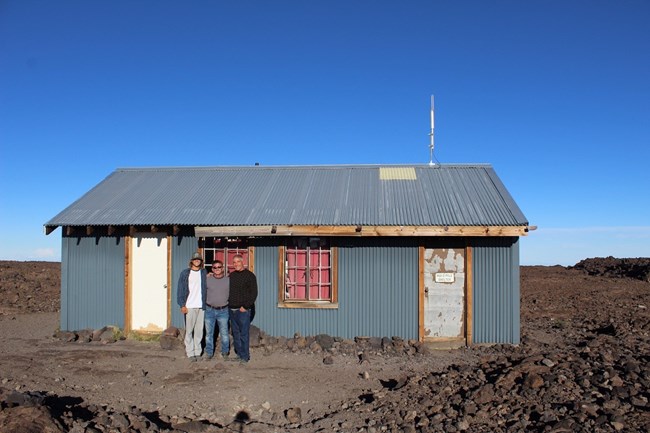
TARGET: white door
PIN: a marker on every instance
(444, 293)
(149, 282)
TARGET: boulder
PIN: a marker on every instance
(167, 342)
(325, 341)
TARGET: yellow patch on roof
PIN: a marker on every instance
(397, 173)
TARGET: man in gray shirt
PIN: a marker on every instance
(217, 309)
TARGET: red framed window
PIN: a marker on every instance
(225, 249)
(308, 273)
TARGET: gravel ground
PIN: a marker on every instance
(582, 366)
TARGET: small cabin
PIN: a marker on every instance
(426, 252)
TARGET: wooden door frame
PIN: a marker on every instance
(468, 294)
(128, 283)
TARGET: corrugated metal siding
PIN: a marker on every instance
(448, 195)
(182, 249)
(92, 282)
(266, 271)
(378, 290)
(496, 290)
(378, 294)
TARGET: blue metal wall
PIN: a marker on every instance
(377, 288)
(496, 290)
(182, 249)
(377, 293)
(92, 282)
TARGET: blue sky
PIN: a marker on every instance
(554, 94)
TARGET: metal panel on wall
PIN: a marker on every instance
(182, 249)
(92, 282)
(496, 290)
(378, 290)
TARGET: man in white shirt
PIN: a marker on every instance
(191, 296)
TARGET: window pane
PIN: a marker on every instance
(301, 258)
(314, 292)
(314, 256)
(291, 281)
(300, 292)
(325, 291)
(325, 258)
(291, 258)
(324, 276)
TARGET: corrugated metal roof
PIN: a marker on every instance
(440, 195)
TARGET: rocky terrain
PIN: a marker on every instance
(582, 365)
(29, 287)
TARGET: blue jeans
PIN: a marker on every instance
(221, 317)
(241, 323)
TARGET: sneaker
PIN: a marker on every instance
(243, 361)
(224, 356)
(193, 358)
(206, 358)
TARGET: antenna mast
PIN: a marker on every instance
(431, 135)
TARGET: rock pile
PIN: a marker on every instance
(638, 268)
(359, 346)
(172, 338)
(597, 385)
(105, 335)
(363, 347)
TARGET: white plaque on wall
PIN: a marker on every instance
(444, 277)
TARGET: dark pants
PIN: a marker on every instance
(240, 324)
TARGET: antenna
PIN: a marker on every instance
(431, 135)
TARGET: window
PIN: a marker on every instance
(225, 249)
(308, 277)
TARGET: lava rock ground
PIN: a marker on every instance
(582, 365)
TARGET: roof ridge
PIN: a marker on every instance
(302, 167)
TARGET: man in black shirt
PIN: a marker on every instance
(243, 293)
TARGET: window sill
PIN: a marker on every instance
(317, 305)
